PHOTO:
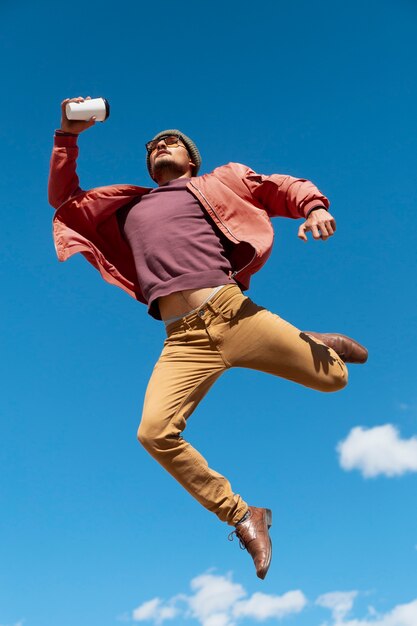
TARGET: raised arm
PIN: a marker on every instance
(63, 180)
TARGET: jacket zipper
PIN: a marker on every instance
(233, 274)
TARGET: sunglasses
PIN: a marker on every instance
(170, 140)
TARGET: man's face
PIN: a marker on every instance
(173, 157)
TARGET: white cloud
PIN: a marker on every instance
(218, 601)
(401, 615)
(217, 619)
(147, 610)
(214, 596)
(339, 602)
(155, 611)
(378, 450)
(261, 606)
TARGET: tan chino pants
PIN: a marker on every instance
(228, 331)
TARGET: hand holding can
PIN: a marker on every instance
(80, 113)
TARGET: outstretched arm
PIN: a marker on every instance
(63, 180)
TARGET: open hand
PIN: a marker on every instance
(74, 126)
(320, 223)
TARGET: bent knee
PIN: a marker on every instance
(154, 437)
(148, 435)
(143, 435)
(336, 380)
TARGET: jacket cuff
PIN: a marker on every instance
(312, 206)
(64, 140)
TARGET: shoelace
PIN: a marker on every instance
(241, 543)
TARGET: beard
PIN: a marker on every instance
(165, 163)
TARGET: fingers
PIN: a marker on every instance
(65, 102)
(326, 230)
(302, 232)
(63, 106)
(320, 228)
(75, 126)
(329, 227)
(77, 99)
(315, 231)
(321, 224)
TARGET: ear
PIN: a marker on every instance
(191, 163)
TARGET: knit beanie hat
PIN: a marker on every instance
(189, 144)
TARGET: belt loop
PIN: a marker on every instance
(187, 324)
(212, 308)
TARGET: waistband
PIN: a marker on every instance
(192, 316)
(180, 317)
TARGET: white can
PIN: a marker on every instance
(97, 107)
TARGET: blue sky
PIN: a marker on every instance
(93, 532)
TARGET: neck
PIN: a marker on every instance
(166, 176)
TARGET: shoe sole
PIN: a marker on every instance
(268, 517)
(268, 522)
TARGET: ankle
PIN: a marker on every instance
(244, 518)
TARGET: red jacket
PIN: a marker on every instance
(238, 200)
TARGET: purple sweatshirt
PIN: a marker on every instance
(175, 244)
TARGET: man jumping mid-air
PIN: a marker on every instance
(187, 249)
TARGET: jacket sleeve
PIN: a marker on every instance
(63, 181)
(284, 196)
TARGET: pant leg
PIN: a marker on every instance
(188, 366)
(258, 339)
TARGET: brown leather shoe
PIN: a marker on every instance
(254, 537)
(348, 349)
